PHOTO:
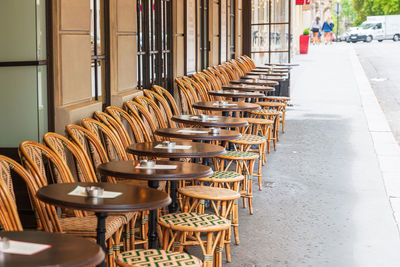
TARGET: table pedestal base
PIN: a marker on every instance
(101, 232)
(153, 237)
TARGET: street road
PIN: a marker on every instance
(381, 63)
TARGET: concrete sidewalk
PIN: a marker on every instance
(324, 201)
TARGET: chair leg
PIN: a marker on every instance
(235, 222)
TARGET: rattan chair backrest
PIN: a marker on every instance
(90, 145)
(168, 97)
(153, 109)
(9, 219)
(71, 154)
(162, 103)
(108, 137)
(133, 107)
(34, 156)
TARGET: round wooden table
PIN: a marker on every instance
(196, 150)
(128, 170)
(255, 82)
(279, 74)
(232, 106)
(237, 94)
(248, 88)
(216, 121)
(133, 198)
(264, 76)
(200, 134)
(65, 250)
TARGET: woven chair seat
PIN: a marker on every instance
(239, 155)
(265, 111)
(249, 139)
(270, 104)
(209, 193)
(156, 258)
(280, 98)
(223, 177)
(86, 226)
(193, 222)
(259, 121)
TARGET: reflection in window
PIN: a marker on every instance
(204, 39)
(154, 43)
(270, 31)
(98, 47)
(233, 28)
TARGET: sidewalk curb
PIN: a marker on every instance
(386, 148)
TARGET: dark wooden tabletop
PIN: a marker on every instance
(197, 150)
(223, 121)
(133, 198)
(237, 94)
(263, 76)
(248, 88)
(224, 135)
(128, 170)
(256, 82)
(65, 251)
(273, 74)
(239, 106)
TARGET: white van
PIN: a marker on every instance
(378, 28)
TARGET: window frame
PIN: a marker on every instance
(155, 55)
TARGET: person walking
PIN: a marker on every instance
(315, 29)
(327, 28)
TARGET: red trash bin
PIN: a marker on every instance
(304, 42)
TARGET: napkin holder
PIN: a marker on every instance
(147, 163)
(214, 131)
(4, 243)
(94, 191)
(168, 144)
(222, 103)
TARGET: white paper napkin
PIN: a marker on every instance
(81, 191)
(24, 248)
(191, 131)
(207, 119)
(159, 167)
(229, 104)
(175, 147)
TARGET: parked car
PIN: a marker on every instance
(344, 37)
(378, 28)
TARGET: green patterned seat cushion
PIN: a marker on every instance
(250, 139)
(157, 258)
(224, 177)
(193, 222)
(239, 155)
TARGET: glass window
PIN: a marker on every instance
(154, 43)
(270, 31)
(232, 18)
(100, 78)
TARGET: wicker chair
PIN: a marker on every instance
(223, 202)
(157, 115)
(272, 115)
(142, 116)
(178, 226)
(230, 180)
(9, 219)
(33, 156)
(93, 149)
(168, 97)
(284, 100)
(156, 257)
(163, 104)
(133, 126)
